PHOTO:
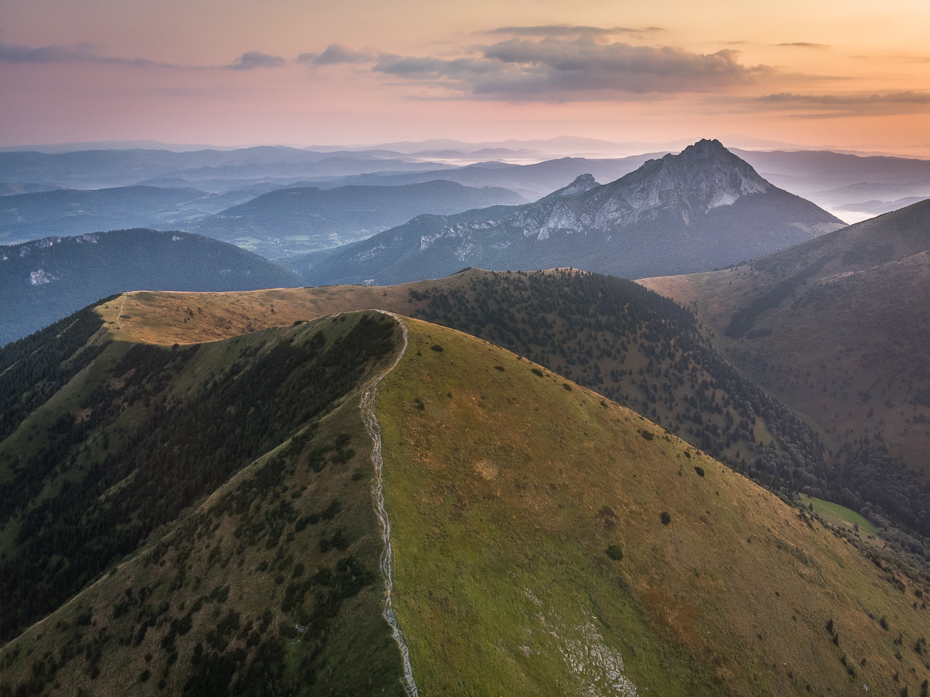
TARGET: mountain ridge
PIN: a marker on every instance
(651, 356)
(44, 280)
(688, 211)
(836, 328)
(573, 546)
(293, 220)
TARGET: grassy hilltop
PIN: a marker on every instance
(629, 345)
(546, 541)
(198, 520)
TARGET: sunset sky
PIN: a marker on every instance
(853, 74)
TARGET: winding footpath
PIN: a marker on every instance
(373, 427)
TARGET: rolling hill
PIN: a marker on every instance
(837, 328)
(45, 280)
(702, 209)
(294, 220)
(544, 541)
(605, 333)
(161, 429)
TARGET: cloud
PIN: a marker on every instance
(559, 69)
(80, 53)
(256, 59)
(562, 30)
(87, 54)
(847, 105)
(336, 54)
(583, 65)
(463, 70)
(802, 44)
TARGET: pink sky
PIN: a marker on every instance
(852, 74)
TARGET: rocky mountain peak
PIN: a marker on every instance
(704, 149)
(582, 184)
(702, 177)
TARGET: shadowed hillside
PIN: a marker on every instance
(130, 435)
(45, 280)
(838, 329)
(608, 334)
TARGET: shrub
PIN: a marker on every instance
(646, 434)
(699, 470)
(666, 517)
(437, 348)
(615, 552)
(332, 510)
(537, 372)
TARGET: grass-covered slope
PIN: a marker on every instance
(549, 542)
(239, 471)
(608, 334)
(270, 587)
(838, 329)
(45, 280)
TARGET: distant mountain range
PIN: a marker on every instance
(14, 188)
(293, 220)
(845, 183)
(274, 224)
(45, 280)
(69, 212)
(226, 169)
(702, 209)
(530, 180)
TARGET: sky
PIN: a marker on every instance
(850, 74)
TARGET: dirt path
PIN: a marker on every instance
(119, 315)
(387, 555)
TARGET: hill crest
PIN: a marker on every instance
(545, 541)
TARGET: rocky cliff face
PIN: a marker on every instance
(703, 177)
(701, 209)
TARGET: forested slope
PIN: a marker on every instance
(116, 459)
